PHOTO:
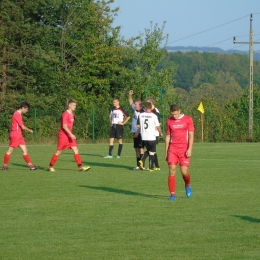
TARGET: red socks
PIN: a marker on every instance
(78, 160)
(186, 180)
(28, 160)
(6, 160)
(172, 184)
(54, 159)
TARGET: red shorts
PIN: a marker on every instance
(16, 140)
(65, 142)
(177, 155)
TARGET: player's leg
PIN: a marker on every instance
(172, 180)
(27, 157)
(119, 137)
(141, 162)
(120, 147)
(172, 160)
(156, 162)
(53, 160)
(111, 142)
(186, 177)
(78, 160)
(139, 148)
(145, 156)
(184, 166)
(151, 146)
(7, 158)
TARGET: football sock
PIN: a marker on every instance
(54, 159)
(137, 160)
(6, 159)
(156, 161)
(172, 184)
(186, 180)
(141, 156)
(78, 160)
(151, 161)
(110, 149)
(28, 160)
(120, 146)
(145, 155)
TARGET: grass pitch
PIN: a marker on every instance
(114, 212)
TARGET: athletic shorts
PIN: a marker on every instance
(176, 156)
(65, 142)
(138, 141)
(117, 131)
(150, 146)
(15, 140)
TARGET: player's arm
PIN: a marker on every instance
(130, 97)
(26, 129)
(66, 129)
(159, 129)
(126, 116)
(167, 142)
(191, 141)
(126, 120)
(138, 125)
(110, 118)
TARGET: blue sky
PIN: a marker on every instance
(193, 22)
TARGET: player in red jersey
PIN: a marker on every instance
(66, 139)
(178, 148)
(16, 137)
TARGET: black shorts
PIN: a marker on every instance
(117, 131)
(150, 146)
(138, 142)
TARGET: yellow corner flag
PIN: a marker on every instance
(201, 108)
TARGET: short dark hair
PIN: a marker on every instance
(148, 105)
(25, 105)
(115, 98)
(72, 101)
(174, 108)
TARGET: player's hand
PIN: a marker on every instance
(31, 131)
(120, 123)
(73, 136)
(188, 153)
(161, 135)
(131, 92)
(136, 135)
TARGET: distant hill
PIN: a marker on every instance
(210, 49)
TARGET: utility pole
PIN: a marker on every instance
(251, 86)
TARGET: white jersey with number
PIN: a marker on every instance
(148, 122)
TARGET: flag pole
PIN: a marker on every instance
(201, 109)
(202, 127)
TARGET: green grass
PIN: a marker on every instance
(113, 212)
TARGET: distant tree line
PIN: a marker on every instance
(54, 50)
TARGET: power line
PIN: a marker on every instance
(208, 29)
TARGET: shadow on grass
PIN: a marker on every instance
(247, 218)
(120, 191)
(107, 165)
(91, 154)
(20, 165)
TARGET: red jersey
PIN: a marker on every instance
(17, 123)
(178, 129)
(67, 118)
